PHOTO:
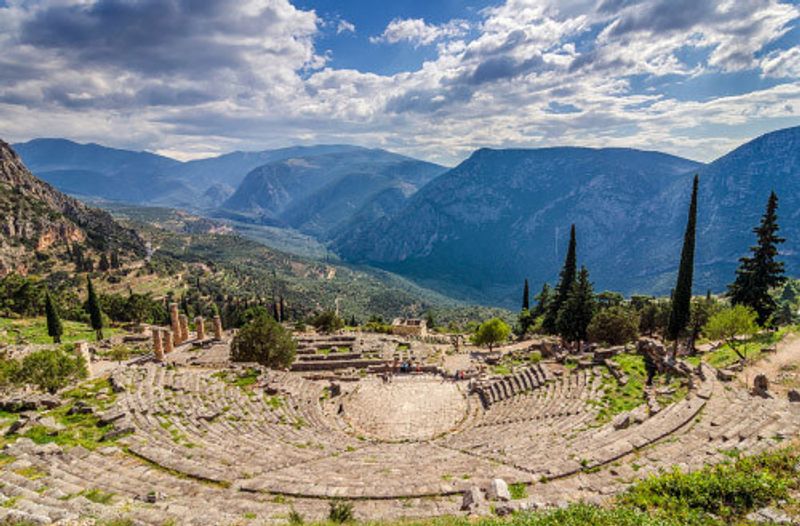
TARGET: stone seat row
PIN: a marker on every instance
(192, 422)
(566, 395)
(509, 386)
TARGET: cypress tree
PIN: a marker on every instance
(566, 280)
(760, 272)
(577, 311)
(93, 307)
(682, 296)
(542, 301)
(526, 296)
(54, 326)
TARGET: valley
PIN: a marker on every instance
(473, 232)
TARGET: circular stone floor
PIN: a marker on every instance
(407, 408)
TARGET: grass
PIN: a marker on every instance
(97, 496)
(617, 398)
(518, 491)
(724, 356)
(79, 429)
(34, 330)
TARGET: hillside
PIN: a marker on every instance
(42, 226)
(198, 252)
(321, 194)
(503, 215)
(99, 171)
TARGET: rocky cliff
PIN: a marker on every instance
(41, 226)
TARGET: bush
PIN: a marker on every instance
(50, 370)
(327, 321)
(614, 325)
(265, 341)
(340, 512)
(726, 490)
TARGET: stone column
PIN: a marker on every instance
(168, 338)
(184, 319)
(82, 350)
(200, 328)
(217, 327)
(158, 348)
(175, 321)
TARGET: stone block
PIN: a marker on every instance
(473, 500)
(498, 490)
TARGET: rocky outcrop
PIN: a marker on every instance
(39, 220)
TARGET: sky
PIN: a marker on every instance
(434, 79)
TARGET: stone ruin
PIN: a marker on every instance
(164, 341)
(198, 446)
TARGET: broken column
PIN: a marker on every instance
(184, 327)
(200, 328)
(217, 327)
(158, 348)
(175, 322)
(82, 350)
(168, 338)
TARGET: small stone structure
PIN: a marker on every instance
(82, 350)
(158, 348)
(184, 327)
(217, 327)
(169, 338)
(409, 327)
(175, 322)
(200, 328)
(761, 385)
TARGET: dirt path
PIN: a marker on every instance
(782, 368)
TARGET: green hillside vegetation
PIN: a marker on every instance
(34, 330)
(227, 268)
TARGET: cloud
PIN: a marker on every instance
(418, 32)
(343, 26)
(782, 64)
(202, 77)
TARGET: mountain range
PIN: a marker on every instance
(476, 231)
(503, 215)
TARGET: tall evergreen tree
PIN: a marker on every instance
(760, 272)
(682, 296)
(566, 280)
(542, 301)
(526, 296)
(54, 326)
(93, 307)
(577, 311)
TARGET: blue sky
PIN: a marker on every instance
(434, 79)
(353, 50)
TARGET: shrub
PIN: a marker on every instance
(340, 512)
(327, 321)
(265, 341)
(50, 370)
(614, 325)
(727, 490)
(295, 517)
